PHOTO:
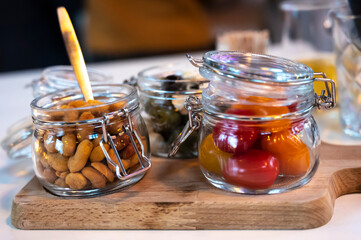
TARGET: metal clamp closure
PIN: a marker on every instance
(132, 132)
(195, 117)
(195, 61)
(323, 101)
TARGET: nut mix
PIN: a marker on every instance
(71, 157)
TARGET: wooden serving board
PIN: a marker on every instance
(175, 195)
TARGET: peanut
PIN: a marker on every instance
(97, 111)
(128, 152)
(58, 162)
(50, 142)
(97, 140)
(115, 127)
(133, 161)
(69, 144)
(121, 141)
(112, 156)
(76, 104)
(71, 115)
(80, 158)
(86, 116)
(84, 132)
(61, 174)
(95, 177)
(103, 170)
(116, 106)
(61, 183)
(76, 180)
(49, 175)
(97, 154)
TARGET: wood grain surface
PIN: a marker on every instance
(175, 195)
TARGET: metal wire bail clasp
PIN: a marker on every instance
(131, 132)
(194, 108)
(195, 61)
(325, 101)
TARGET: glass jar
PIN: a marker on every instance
(62, 77)
(17, 142)
(257, 134)
(163, 91)
(84, 149)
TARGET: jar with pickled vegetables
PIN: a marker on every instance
(163, 91)
(89, 148)
(257, 133)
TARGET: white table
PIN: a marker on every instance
(14, 105)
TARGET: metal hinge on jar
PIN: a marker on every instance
(195, 117)
(325, 101)
(131, 132)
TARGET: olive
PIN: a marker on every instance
(171, 84)
(173, 77)
(164, 118)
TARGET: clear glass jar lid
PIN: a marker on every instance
(257, 68)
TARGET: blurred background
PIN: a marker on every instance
(121, 29)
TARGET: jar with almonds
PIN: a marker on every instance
(89, 148)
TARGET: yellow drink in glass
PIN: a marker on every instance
(321, 65)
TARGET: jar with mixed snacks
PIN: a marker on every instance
(163, 91)
(89, 148)
(257, 133)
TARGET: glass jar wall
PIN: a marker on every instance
(89, 148)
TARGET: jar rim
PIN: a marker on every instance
(145, 73)
(49, 72)
(157, 74)
(258, 68)
(36, 107)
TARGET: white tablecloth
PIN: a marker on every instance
(14, 105)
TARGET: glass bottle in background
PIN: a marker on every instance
(347, 38)
(307, 36)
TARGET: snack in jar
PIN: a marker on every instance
(163, 90)
(89, 148)
(257, 133)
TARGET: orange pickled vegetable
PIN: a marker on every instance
(292, 153)
(210, 156)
